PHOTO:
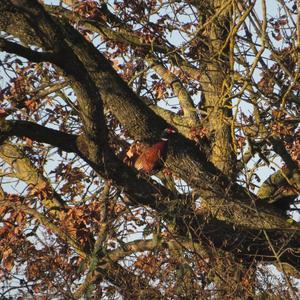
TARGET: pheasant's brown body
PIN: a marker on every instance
(151, 158)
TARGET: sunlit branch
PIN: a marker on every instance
(24, 170)
(185, 100)
(43, 220)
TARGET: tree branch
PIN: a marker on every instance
(38, 133)
(284, 185)
(25, 52)
(27, 172)
(43, 220)
(184, 98)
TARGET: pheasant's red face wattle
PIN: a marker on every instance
(170, 130)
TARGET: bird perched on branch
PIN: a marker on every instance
(151, 159)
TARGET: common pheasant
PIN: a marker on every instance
(151, 159)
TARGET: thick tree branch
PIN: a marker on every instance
(38, 133)
(185, 100)
(27, 172)
(20, 50)
(172, 118)
(284, 185)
